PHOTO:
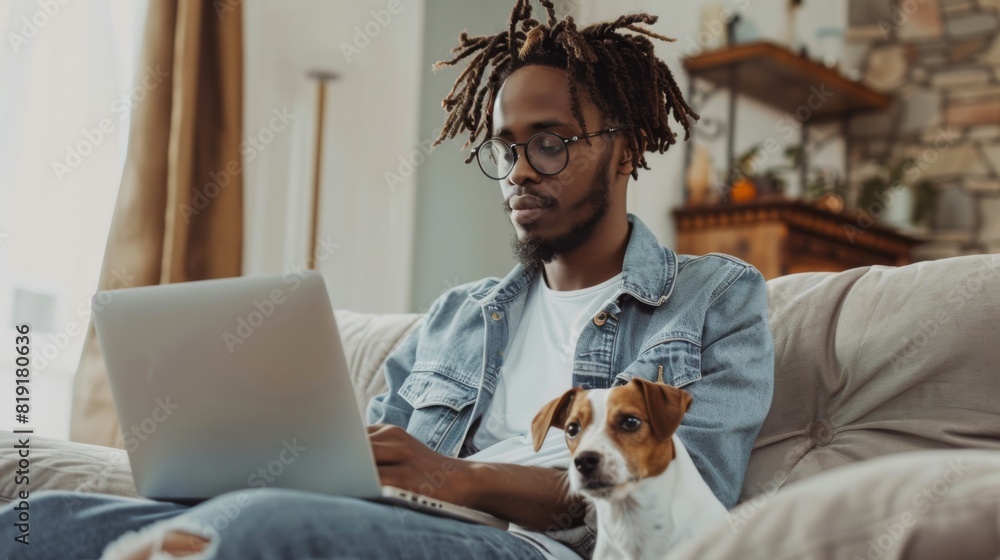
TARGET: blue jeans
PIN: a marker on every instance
(265, 523)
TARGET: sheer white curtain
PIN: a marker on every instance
(66, 93)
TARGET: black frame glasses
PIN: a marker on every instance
(546, 152)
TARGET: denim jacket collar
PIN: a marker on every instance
(648, 274)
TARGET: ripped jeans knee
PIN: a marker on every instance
(167, 539)
(188, 532)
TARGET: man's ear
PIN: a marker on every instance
(665, 405)
(626, 165)
(552, 414)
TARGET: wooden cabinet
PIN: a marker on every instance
(783, 236)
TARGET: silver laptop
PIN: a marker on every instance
(239, 383)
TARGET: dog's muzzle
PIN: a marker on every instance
(587, 463)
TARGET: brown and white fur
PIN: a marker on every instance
(647, 493)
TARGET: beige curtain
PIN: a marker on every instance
(179, 214)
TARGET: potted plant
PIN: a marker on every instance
(748, 184)
(887, 196)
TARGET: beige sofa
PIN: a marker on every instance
(883, 440)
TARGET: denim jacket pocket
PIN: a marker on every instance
(680, 358)
(438, 401)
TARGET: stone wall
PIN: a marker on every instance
(941, 59)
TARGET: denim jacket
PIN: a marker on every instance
(703, 320)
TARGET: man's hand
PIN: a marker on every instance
(533, 497)
(405, 462)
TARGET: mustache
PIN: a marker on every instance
(547, 200)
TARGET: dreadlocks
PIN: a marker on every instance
(621, 72)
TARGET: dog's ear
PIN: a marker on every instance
(665, 404)
(552, 414)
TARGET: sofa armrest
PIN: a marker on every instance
(54, 464)
(914, 505)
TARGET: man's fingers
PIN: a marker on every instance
(403, 477)
(391, 475)
(390, 452)
(384, 430)
(392, 444)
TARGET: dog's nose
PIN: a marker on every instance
(587, 462)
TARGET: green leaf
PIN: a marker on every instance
(869, 189)
(925, 197)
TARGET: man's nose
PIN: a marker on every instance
(523, 172)
(587, 462)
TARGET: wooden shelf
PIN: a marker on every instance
(783, 236)
(782, 79)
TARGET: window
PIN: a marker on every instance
(66, 74)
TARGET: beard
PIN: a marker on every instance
(533, 252)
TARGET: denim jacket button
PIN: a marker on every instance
(601, 318)
(496, 315)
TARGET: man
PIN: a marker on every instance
(566, 116)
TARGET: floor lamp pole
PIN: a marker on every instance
(322, 78)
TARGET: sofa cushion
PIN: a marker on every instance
(880, 360)
(921, 505)
(62, 465)
(368, 340)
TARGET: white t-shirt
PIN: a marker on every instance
(538, 364)
(538, 367)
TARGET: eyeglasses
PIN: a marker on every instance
(547, 153)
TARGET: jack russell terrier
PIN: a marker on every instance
(647, 493)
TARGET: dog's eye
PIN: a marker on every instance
(572, 429)
(630, 423)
